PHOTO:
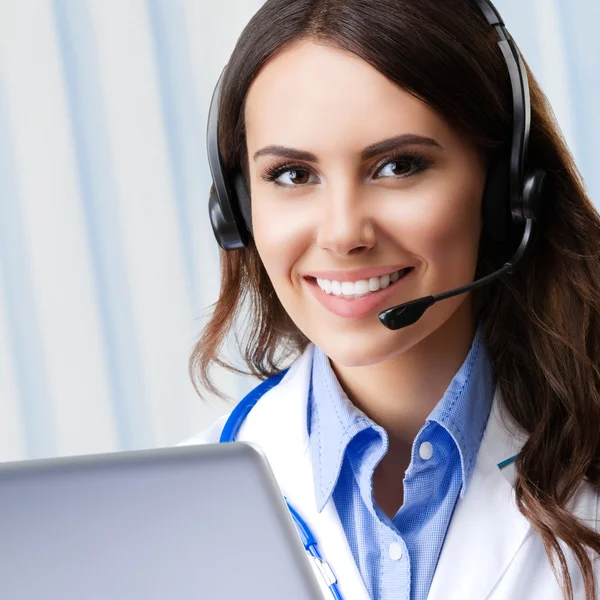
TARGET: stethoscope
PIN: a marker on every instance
(309, 541)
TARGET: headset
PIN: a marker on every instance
(512, 193)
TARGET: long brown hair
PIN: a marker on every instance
(542, 324)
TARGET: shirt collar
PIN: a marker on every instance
(465, 406)
(334, 421)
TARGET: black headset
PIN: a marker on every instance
(507, 176)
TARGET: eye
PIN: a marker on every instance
(296, 176)
(401, 166)
(288, 175)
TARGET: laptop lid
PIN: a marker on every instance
(206, 522)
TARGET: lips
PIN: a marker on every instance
(356, 307)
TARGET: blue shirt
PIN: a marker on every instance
(397, 558)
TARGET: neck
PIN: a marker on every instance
(399, 393)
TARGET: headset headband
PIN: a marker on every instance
(229, 205)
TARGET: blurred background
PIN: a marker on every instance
(107, 259)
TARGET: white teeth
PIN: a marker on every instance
(347, 288)
(359, 288)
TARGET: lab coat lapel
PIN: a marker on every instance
(278, 424)
(486, 529)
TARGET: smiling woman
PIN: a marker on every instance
(381, 152)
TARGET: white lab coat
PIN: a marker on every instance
(490, 552)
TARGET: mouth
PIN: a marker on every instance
(363, 287)
(356, 299)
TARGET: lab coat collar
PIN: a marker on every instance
(278, 423)
(486, 529)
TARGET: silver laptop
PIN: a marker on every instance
(194, 522)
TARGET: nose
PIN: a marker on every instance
(345, 226)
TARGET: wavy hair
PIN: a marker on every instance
(542, 324)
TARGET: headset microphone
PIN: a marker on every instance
(525, 189)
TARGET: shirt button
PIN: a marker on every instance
(426, 450)
(395, 551)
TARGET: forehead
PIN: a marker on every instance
(310, 95)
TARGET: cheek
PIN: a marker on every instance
(441, 228)
(280, 237)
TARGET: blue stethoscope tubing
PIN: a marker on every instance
(229, 433)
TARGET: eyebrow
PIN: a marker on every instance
(387, 145)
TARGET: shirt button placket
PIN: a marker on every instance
(395, 574)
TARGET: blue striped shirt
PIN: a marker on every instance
(397, 557)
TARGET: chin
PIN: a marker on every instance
(354, 345)
(351, 348)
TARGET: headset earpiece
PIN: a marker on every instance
(495, 208)
(243, 200)
(533, 190)
(496, 214)
(228, 233)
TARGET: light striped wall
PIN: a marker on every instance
(107, 260)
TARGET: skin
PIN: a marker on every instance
(345, 214)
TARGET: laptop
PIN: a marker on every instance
(193, 522)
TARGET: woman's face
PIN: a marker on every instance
(363, 197)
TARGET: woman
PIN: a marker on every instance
(374, 141)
